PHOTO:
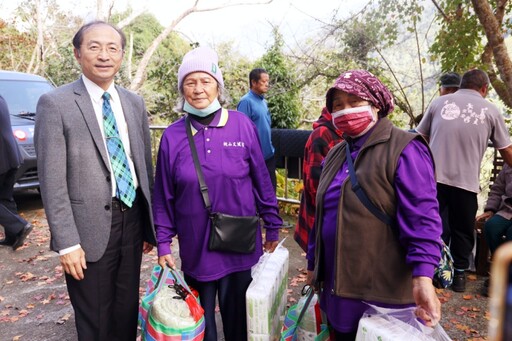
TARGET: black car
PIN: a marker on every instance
(22, 91)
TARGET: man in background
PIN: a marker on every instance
(449, 83)
(94, 160)
(254, 105)
(459, 126)
(16, 229)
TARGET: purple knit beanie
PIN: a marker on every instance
(202, 59)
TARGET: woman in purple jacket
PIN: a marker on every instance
(238, 184)
(356, 257)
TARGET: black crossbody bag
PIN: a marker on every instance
(228, 233)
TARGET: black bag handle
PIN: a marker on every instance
(197, 166)
(310, 293)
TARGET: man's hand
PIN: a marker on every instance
(167, 260)
(74, 264)
(484, 216)
(270, 246)
(147, 247)
(428, 305)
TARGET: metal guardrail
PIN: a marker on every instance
(156, 134)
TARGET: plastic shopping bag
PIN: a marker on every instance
(170, 310)
(303, 322)
(382, 324)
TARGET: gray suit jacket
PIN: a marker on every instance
(10, 157)
(73, 167)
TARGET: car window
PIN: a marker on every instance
(22, 96)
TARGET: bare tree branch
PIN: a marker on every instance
(228, 4)
(128, 20)
(408, 108)
(420, 66)
(440, 10)
(140, 74)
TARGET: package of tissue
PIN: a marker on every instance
(383, 324)
(266, 296)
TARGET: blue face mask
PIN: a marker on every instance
(213, 107)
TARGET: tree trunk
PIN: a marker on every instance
(130, 56)
(100, 13)
(492, 27)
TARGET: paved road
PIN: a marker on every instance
(34, 304)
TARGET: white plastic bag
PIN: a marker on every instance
(382, 324)
(307, 327)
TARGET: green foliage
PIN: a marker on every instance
(288, 189)
(14, 54)
(459, 43)
(61, 66)
(392, 16)
(235, 71)
(283, 96)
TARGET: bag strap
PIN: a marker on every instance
(358, 190)
(164, 272)
(197, 166)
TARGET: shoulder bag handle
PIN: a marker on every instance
(197, 165)
(360, 192)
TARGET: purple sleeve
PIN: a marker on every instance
(418, 217)
(497, 192)
(163, 197)
(310, 255)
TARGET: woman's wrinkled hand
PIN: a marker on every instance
(270, 246)
(309, 277)
(428, 305)
(167, 260)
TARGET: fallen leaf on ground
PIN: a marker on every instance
(472, 277)
(26, 276)
(63, 319)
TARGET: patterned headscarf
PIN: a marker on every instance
(363, 84)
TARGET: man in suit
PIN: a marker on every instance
(95, 168)
(16, 229)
